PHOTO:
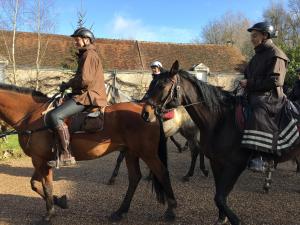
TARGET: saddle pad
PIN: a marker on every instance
(168, 115)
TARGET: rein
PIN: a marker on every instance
(28, 132)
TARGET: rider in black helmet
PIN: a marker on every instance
(263, 84)
(264, 27)
(85, 33)
(87, 90)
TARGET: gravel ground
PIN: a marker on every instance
(92, 201)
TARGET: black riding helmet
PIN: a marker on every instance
(264, 27)
(85, 33)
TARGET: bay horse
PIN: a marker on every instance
(180, 123)
(124, 128)
(213, 110)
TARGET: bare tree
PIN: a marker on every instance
(294, 10)
(39, 17)
(81, 14)
(231, 29)
(10, 11)
(285, 20)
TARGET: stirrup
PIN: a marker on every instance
(65, 162)
(68, 162)
(258, 165)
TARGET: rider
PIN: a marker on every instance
(87, 90)
(264, 78)
(157, 69)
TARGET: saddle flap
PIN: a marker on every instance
(90, 122)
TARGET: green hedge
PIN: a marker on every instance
(10, 148)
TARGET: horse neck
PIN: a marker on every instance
(16, 106)
(199, 112)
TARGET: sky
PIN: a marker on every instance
(179, 21)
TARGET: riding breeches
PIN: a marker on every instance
(56, 117)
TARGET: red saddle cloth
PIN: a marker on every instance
(168, 115)
(240, 117)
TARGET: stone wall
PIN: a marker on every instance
(132, 83)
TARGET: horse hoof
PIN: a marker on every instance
(205, 172)
(49, 216)
(185, 179)
(221, 222)
(115, 217)
(62, 202)
(185, 148)
(111, 182)
(169, 216)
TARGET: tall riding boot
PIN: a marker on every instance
(65, 159)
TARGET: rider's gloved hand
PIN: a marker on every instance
(63, 86)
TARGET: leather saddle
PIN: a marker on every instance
(89, 121)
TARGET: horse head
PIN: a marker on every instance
(165, 94)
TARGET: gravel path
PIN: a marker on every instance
(92, 201)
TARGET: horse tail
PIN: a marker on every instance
(162, 153)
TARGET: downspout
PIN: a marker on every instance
(140, 55)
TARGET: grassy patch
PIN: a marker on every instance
(10, 147)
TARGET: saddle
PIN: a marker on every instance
(89, 121)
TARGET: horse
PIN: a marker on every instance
(213, 110)
(124, 129)
(181, 123)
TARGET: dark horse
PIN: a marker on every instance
(123, 129)
(212, 109)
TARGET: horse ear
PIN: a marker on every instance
(175, 68)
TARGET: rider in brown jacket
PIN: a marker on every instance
(87, 90)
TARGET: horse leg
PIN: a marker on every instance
(117, 168)
(161, 173)
(268, 179)
(194, 155)
(134, 176)
(202, 163)
(225, 178)
(45, 174)
(179, 148)
(298, 164)
(36, 185)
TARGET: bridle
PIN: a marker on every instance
(174, 94)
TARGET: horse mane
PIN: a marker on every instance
(21, 90)
(215, 98)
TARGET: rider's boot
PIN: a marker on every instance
(65, 159)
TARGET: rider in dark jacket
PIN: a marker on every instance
(263, 83)
(157, 69)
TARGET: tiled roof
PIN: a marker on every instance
(126, 54)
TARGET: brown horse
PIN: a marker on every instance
(212, 109)
(123, 129)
